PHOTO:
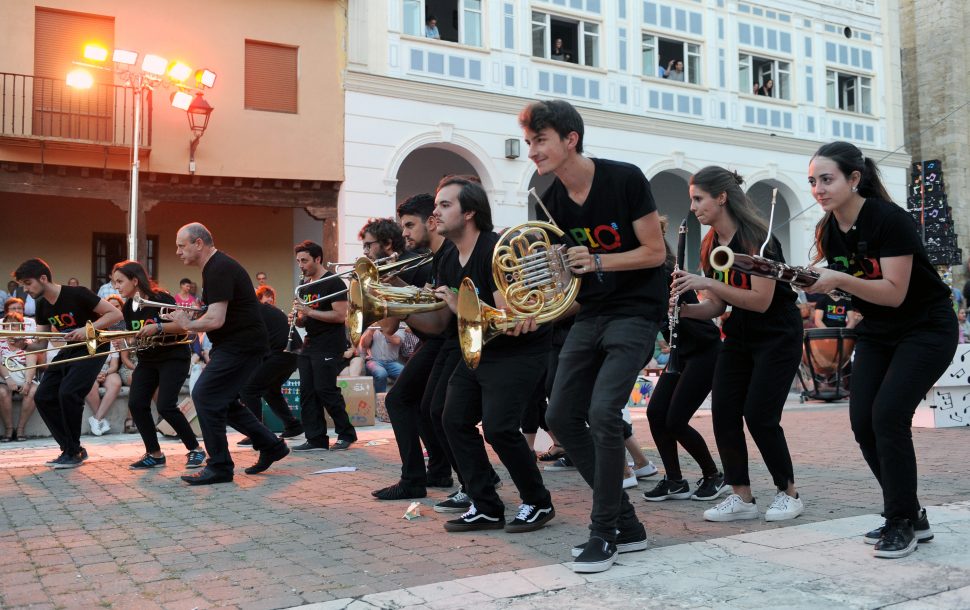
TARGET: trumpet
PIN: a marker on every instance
(137, 302)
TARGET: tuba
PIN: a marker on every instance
(530, 269)
(370, 300)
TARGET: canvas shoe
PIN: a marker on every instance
(733, 508)
(647, 471)
(473, 521)
(598, 556)
(530, 518)
(95, 424)
(457, 502)
(921, 527)
(628, 542)
(784, 507)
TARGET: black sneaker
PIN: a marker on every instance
(710, 488)
(246, 442)
(668, 490)
(341, 445)
(149, 461)
(56, 460)
(310, 446)
(530, 518)
(68, 461)
(598, 556)
(83, 455)
(400, 491)
(195, 458)
(898, 540)
(457, 502)
(291, 431)
(473, 521)
(921, 527)
(561, 465)
(626, 542)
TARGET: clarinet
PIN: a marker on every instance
(289, 336)
(673, 362)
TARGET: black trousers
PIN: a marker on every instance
(535, 414)
(319, 391)
(266, 384)
(673, 402)
(751, 383)
(888, 381)
(434, 401)
(167, 376)
(216, 399)
(411, 423)
(60, 397)
(494, 394)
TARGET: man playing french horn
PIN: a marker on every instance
(494, 393)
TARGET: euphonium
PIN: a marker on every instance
(370, 300)
(532, 273)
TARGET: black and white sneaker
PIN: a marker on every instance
(147, 462)
(921, 527)
(898, 540)
(530, 518)
(629, 542)
(457, 502)
(474, 521)
(668, 490)
(68, 461)
(710, 488)
(598, 556)
(59, 458)
(561, 465)
(310, 446)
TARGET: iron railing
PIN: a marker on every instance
(46, 108)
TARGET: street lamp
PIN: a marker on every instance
(155, 71)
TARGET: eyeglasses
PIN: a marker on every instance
(368, 244)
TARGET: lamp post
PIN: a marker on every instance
(155, 71)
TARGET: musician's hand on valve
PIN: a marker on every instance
(179, 316)
(580, 260)
(528, 325)
(828, 280)
(449, 296)
(75, 335)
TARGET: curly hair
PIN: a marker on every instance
(384, 230)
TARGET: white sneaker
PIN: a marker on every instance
(630, 481)
(784, 507)
(647, 471)
(105, 426)
(95, 426)
(733, 508)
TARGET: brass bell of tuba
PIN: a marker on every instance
(532, 273)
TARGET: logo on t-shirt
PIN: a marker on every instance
(63, 321)
(732, 278)
(312, 297)
(602, 238)
(867, 268)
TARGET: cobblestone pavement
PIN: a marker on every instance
(105, 536)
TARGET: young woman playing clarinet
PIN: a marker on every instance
(761, 349)
(159, 368)
(907, 336)
(681, 389)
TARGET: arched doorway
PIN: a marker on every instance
(672, 195)
(425, 167)
(540, 184)
(760, 195)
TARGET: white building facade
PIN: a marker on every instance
(419, 108)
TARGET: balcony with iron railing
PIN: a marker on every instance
(35, 109)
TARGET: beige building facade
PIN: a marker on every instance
(267, 169)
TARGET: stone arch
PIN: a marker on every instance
(444, 139)
(760, 187)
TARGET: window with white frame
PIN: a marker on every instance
(849, 92)
(764, 76)
(661, 57)
(452, 20)
(564, 39)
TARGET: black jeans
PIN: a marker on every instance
(433, 402)
(598, 366)
(751, 383)
(319, 391)
(673, 402)
(494, 394)
(888, 381)
(60, 397)
(411, 424)
(216, 399)
(266, 384)
(167, 376)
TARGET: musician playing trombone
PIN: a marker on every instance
(60, 397)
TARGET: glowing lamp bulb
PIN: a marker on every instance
(80, 79)
(153, 64)
(181, 100)
(95, 52)
(179, 72)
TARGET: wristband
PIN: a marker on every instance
(159, 331)
(599, 263)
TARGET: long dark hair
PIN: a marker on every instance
(750, 228)
(133, 270)
(849, 159)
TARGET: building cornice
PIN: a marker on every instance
(440, 95)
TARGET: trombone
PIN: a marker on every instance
(137, 302)
(389, 270)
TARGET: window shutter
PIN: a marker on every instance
(271, 77)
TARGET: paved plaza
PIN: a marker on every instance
(105, 536)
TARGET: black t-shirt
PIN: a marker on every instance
(278, 328)
(835, 313)
(136, 320)
(224, 279)
(479, 270)
(782, 314)
(325, 337)
(693, 336)
(619, 195)
(417, 276)
(73, 309)
(885, 230)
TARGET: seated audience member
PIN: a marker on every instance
(410, 344)
(964, 326)
(110, 380)
(15, 381)
(833, 312)
(383, 347)
(431, 28)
